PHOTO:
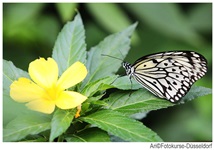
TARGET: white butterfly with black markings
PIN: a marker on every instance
(168, 75)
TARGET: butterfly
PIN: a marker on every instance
(168, 75)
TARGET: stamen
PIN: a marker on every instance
(78, 111)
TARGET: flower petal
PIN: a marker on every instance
(24, 90)
(70, 99)
(42, 105)
(73, 75)
(44, 72)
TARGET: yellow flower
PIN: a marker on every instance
(45, 90)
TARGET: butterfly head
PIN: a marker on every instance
(128, 67)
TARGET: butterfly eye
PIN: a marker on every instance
(124, 65)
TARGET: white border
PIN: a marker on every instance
(85, 146)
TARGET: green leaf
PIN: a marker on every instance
(143, 101)
(70, 45)
(122, 126)
(66, 10)
(36, 139)
(90, 135)
(124, 83)
(24, 125)
(60, 122)
(116, 45)
(167, 19)
(93, 103)
(99, 85)
(135, 102)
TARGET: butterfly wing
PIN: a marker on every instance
(169, 75)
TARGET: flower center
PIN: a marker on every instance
(52, 93)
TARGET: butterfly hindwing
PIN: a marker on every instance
(169, 75)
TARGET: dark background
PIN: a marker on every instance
(30, 30)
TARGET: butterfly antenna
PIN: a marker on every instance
(112, 57)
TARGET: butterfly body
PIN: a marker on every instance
(168, 75)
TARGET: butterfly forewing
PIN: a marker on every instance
(169, 75)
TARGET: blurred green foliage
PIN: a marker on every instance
(30, 29)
